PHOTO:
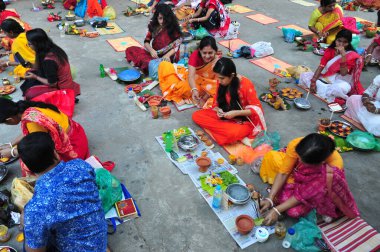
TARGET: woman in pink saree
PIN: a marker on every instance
(165, 35)
(317, 185)
(338, 75)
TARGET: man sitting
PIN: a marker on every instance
(65, 213)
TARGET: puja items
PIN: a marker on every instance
(154, 111)
(244, 224)
(280, 230)
(340, 128)
(324, 123)
(165, 112)
(203, 163)
(273, 83)
(262, 234)
(232, 159)
(54, 17)
(238, 194)
(6, 82)
(240, 161)
(4, 234)
(70, 16)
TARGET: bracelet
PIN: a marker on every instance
(7, 63)
(194, 89)
(276, 210)
(12, 151)
(271, 201)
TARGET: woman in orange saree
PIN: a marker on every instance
(69, 136)
(196, 84)
(237, 114)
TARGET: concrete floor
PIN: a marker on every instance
(174, 215)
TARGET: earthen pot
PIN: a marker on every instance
(324, 124)
(203, 163)
(244, 224)
(165, 111)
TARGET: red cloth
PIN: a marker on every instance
(141, 57)
(377, 40)
(195, 59)
(6, 13)
(310, 188)
(230, 131)
(70, 4)
(211, 6)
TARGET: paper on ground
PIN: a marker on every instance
(302, 2)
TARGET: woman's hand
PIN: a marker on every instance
(370, 107)
(231, 114)
(30, 75)
(270, 218)
(154, 54)
(195, 96)
(264, 205)
(5, 153)
(341, 50)
(219, 112)
(313, 86)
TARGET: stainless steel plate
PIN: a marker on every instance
(238, 194)
(188, 143)
(302, 103)
(3, 172)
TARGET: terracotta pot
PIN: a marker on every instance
(165, 111)
(208, 142)
(203, 163)
(154, 111)
(324, 124)
(199, 133)
(244, 224)
(204, 154)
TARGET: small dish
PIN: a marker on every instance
(188, 143)
(244, 224)
(129, 75)
(340, 128)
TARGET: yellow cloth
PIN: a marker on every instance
(284, 162)
(60, 118)
(175, 86)
(20, 45)
(321, 21)
(183, 12)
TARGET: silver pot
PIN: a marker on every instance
(188, 143)
(238, 194)
(79, 23)
(302, 103)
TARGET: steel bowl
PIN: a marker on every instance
(302, 103)
(70, 18)
(238, 194)
(79, 23)
(9, 248)
(188, 142)
(3, 172)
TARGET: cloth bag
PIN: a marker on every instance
(21, 192)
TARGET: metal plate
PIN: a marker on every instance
(9, 248)
(129, 75)
(11, 160)
(188, 143)
(344, 126)
(302, 103)
(238, 193)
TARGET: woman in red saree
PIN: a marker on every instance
(316, 185)
(164, 33)
(338, 74)
(212, 15)
(237, 113)
(4, 14)
(51, 70)
(69, 137)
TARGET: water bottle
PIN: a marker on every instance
(287, 242)
(217, 199)
(102, 72)
(131, 94)
(168, 141)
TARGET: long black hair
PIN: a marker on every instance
(43, 45)
(10, 108)
(2, 5)
(325, 3)
(315, 148)
(11, 25)
(170, 21)
(344, 34)
(226, 67)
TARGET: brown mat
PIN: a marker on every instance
(353, 122)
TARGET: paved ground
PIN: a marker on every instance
(174, 215)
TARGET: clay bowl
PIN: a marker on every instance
(165, 111)
(244, 224)
(204, 163)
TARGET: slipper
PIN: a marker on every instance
(319, 52)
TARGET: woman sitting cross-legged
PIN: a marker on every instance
(194, 85)
(338, 74)
(237, 113)
(51, 70)
(366, 108)
(212, 15)
(69, 137)
(308, 175)
(165, 35)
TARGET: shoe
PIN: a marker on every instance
(76, 100)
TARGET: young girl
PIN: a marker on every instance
(237, 113)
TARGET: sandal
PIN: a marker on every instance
(319, 52)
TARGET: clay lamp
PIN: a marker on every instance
(204, 163)
(324, 123)
(244, 224)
